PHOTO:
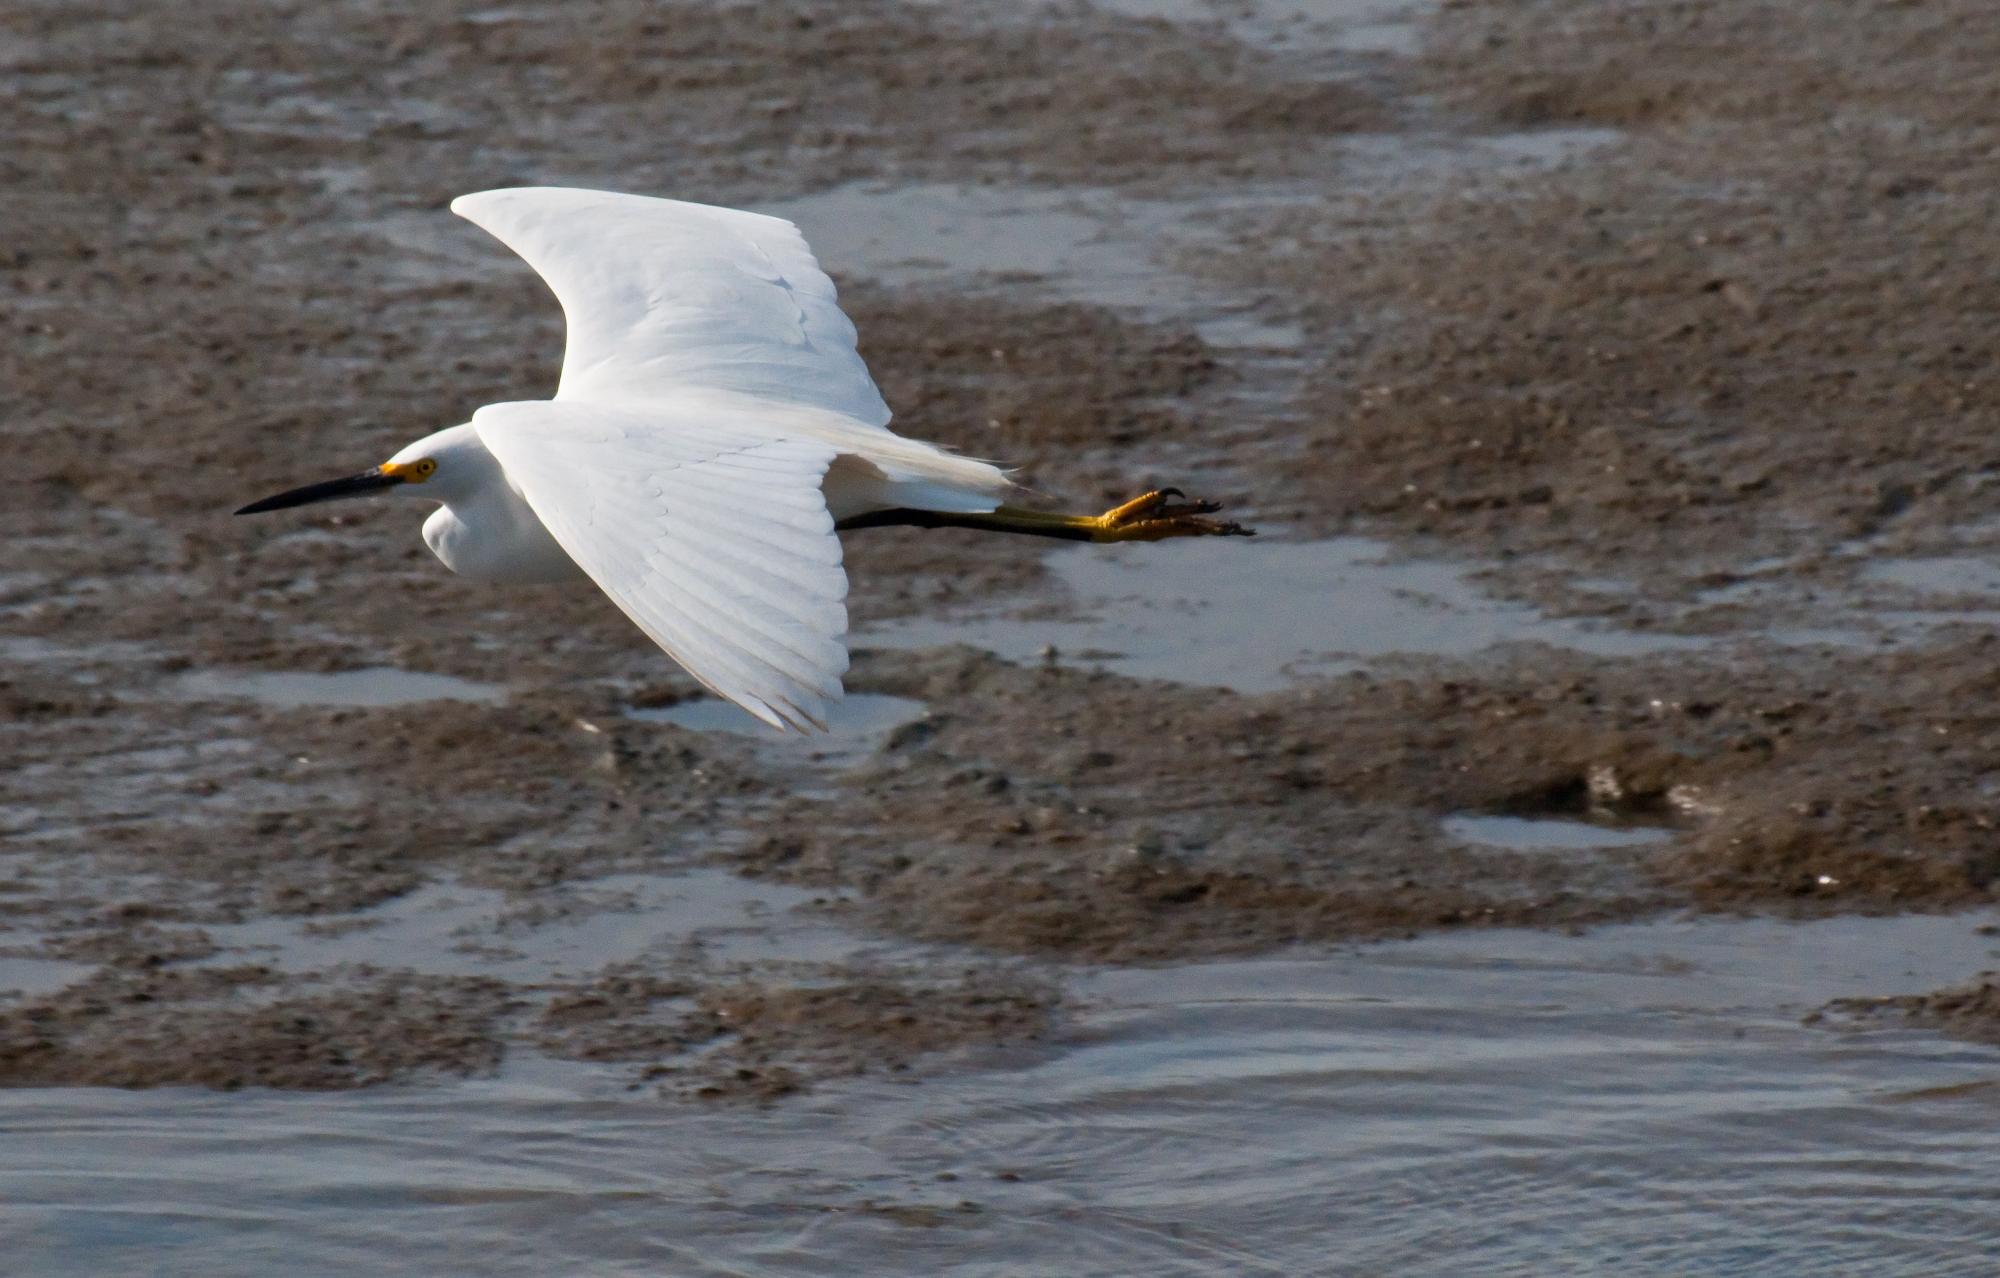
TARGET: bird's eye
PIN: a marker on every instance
(425, 467)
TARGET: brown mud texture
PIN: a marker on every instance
(1971, 1010)
(1674, 319)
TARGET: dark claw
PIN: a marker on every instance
(1169, 492)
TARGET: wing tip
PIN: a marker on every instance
(786, 714)
(480, 207)
(465, 204)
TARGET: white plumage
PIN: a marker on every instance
(663, 297)
(713, 423)
(709, 530)
(709, 384)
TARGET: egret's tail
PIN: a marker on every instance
(892, 472)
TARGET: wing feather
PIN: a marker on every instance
(663, 296)
(708, 531)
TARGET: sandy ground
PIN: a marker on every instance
(1676, 319)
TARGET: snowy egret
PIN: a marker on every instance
(713, 429)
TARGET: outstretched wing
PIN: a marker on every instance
(710, 533)
(663, 296)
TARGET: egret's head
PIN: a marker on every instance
(413, 465)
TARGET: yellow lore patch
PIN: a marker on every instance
(415, 472)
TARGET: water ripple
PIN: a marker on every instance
(1495, 1104)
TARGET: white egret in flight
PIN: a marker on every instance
(713, 429)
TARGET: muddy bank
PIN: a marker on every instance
(1672, 323)
(1970, 1010)
(755, 1039)
(1742, 322)
(1057, 810)
(155, 1027)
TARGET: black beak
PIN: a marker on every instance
(367, 481)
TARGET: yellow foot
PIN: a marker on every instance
(1158, 515)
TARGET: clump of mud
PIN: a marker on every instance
(1052, 810)
(207, 1027)
(1641, 65)
(1970, 1011)
(753, 1038)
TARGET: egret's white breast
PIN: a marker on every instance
(487, 541)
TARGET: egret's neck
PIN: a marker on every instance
(482, 528)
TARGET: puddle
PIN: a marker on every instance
(1348, 26)
(1640, 1101)
(1547, 834)
(452, 929)
(1155, 258)
(22, 976)
(1078, 245)
(1948, 575)
(940, 232)
(1254, 616)
(33, 650)
(856, 726)
(374, 686)
(1384, 159)
(1886, 601)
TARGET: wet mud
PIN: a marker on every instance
(1970, 1010)
(758, 1039)
(1112, 818)
(1678, 354)
(1665, 328)
(151, 1026)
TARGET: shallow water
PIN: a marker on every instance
(374, 686)
(27, 974)
(1641, 1101)
(1255, 615)
(1349, 26)
(456, 929)
(1548, 834)
(928, 232)
(1889, 601)
(1070, 244)
(1951, 576)
(856, 725)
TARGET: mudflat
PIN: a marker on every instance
(1652, 344)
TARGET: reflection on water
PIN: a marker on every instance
(855, 725)
(1254, 615)
(1642, 1101)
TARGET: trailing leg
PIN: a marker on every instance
(1153, 517)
